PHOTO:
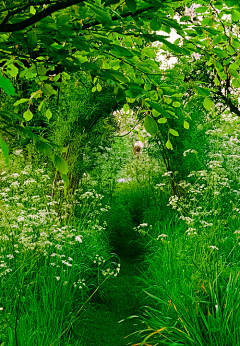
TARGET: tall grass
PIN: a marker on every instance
(54, 256)
(192, 282)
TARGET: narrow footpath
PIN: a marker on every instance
(102, 327)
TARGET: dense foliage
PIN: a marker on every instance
(115, 163)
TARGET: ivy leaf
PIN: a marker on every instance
(18, 102)
(174, 132)
(169, 145)
(28, 115)
(162, 120)
(207, 103)
(60, 164)
(131, 4)
(5, 151)
(186, 124)
(7, 86)
(150, 126)
(48, 114)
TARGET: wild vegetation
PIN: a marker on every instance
(119, 173)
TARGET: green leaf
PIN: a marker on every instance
(32, 38)
(155, 113)
(202, 91)
(66, 182)
(7, 86)
(42, 70)
(18, 102)
(44, 148)
(174, 132)
(234, 73)
(235, 15)
(5, 151)
(158, 108)
(169, 145)
(221, 53)
(216, 81)
(32, 10)
(48, 90)
(12, 70)
(150, 126)
(99, 87)
(28, 115)
(162, 120)
(60, 164)
(155, 24)
(236, 83)
(201, 9)
(102, 14)
(186, 124)
(126, 107)
(207, 103)
(176, 104)
(48, 114)
(131, 4)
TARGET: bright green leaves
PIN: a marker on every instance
(99, 87)
(48, 114)
(18, 102)
(28, 115)
(173, 132)
(131, 4)
(186, 124)
(201, 9)
(169, 144)
(176, 104)
(7, 86)
(155, 24)
(12, 70)
(216, 81)
(207, 103)
(126, 108)
(150, 126)
(235, 15)
(60, 164)
(162, 120)
(5, 151)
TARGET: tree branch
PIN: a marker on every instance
(59, 6)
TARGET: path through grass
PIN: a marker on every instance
(102, 327)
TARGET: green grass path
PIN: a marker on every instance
(101, 327)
